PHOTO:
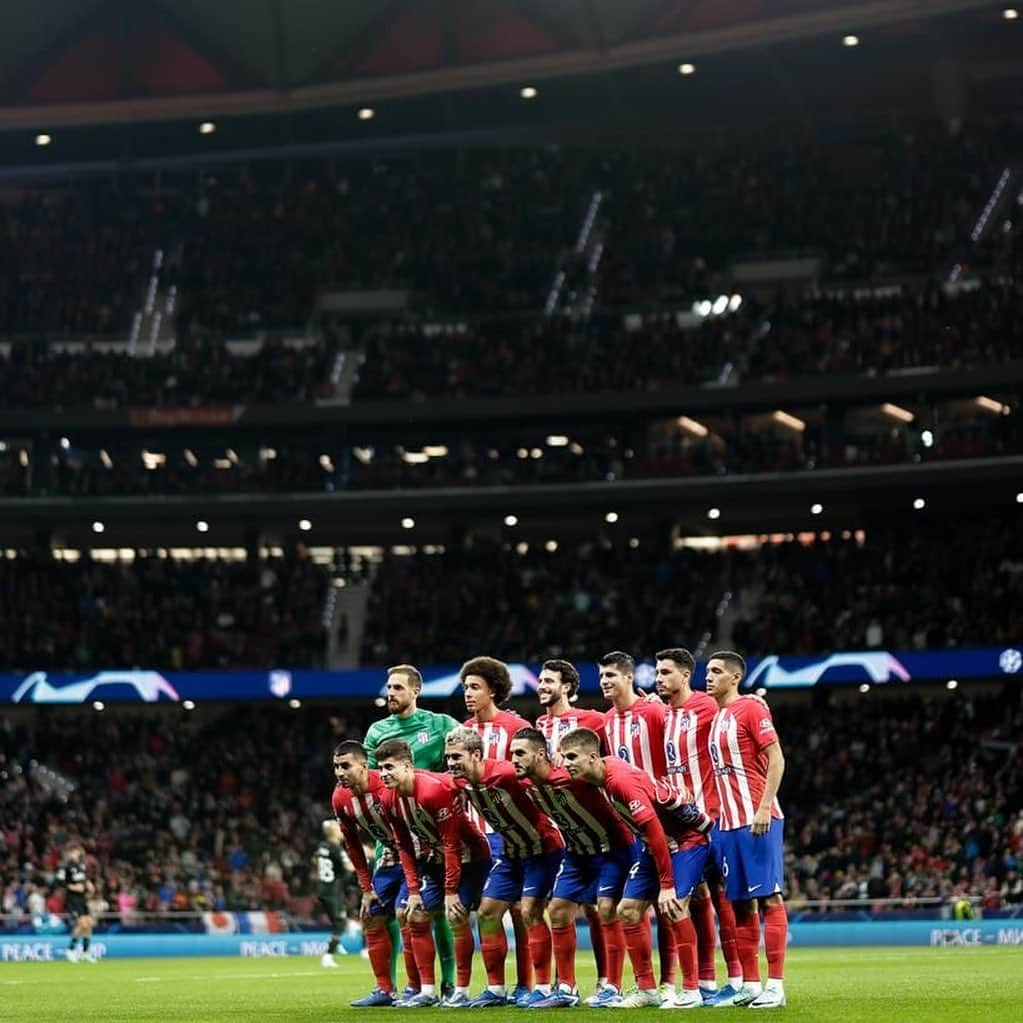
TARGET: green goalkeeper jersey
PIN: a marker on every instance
(424, 731)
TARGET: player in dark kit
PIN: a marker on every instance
(330, 867)
(72, 878)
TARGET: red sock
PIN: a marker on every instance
(702, 911)
(747, 936)
(666, 949)
(727, 928)
(408, 951)
(422, 943)
(685, 946)
(564, 954)
(494, 946)
(776, 936)
(540, 951)
(597, 940)
(523, 959)
(464, 948)
(378, 944)
(614, 949)
(638, 942)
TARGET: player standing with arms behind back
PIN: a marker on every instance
(76, 887)
(748, 841)
(424, 731)
(487, 684)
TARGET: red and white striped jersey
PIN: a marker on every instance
(501, 799)
(636, 736)
(364, 816)
(739, 735)
(434, 815)
(687, 749)
(587, 820)
(497, 733)
(556, 726)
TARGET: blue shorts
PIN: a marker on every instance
(496, 844)
(752, 865)
(687, 866)
(511, 878)
(387, 883)
(584, 878)
(431, 885)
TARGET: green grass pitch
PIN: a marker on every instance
(929, 985)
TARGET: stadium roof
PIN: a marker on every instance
(106, 61)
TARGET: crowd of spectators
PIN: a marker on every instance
(307, 462)
(220, 810)
(200, 371)
(903, 585)
(792, 335)
(161, 613)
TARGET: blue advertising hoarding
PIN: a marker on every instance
(876, 667)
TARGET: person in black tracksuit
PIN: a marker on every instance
(73, 879)
(330, 866)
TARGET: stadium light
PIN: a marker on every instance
(692, 426)
(990, 405)
(713, 513)
(294, 704)
(536, 453)
(633, 542)
(97, 705)
(864, 687)
(919, 504)
(687, 69)
(1010, 14)
(785, 419)
(528, 92)
(98, 527)
(207, 128)
(611, 517)
(850, 41)
(550, 546)
(903, 415)
(305, 525)
(65, 443)
(366, 114)
(952, 684)
(557, 440)
(1019, 498)
(522, 547)
(435, 450)
(816, 509)
(43, 139)
(202, 526)
(408, 523)
(188, 705)
(511, 520)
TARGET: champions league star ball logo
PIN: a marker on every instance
(150, 686)
(1010, 661)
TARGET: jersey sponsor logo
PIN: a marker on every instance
(635, 804)
(766, 724)
(443, 813)
(623, 753)
(670, 751)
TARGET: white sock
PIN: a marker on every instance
(736, 982)
(601, 982)
(708, 985)
(461, 990)
(428, 989)
(755, 986)
(544, 989)
(496, 989)
(774, 984)
(566, 989)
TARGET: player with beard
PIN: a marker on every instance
(673, 831)
(634, 732)
(749, 836)
(487, 684)
(358, 807)
(424, 731)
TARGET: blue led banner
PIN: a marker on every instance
(773, 672)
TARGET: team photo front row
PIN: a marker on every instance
(665, 801)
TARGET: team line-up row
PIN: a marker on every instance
(496, 815)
